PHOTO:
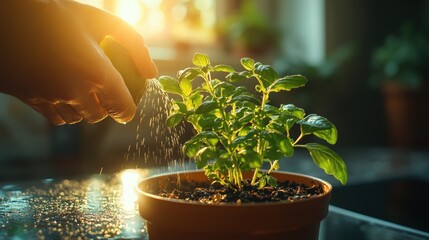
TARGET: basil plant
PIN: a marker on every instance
(237, 131)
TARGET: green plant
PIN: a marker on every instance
(238, 132)
(249, 29)
(402, 58)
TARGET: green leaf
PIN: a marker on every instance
(201, 60)
(195, 100)
(248, 63)
(247, 98)
(224, 89)
(272, 151)
(240, 90)
(284, 144)
(235, 77)
(208, 136)
(274, 125)
(174, 119)
(242, 111)
(287, 83)
(213, 141)
(222, 162)
(273, 139)
(289, 115)
(271, 181)
(193, 119)
(246, 118)
(320, 127)
(205, 155)
(206, 107)
(211, 173)
(246, 74)
(189, 73)
(217, 124)
(180, 107)
(247, 139)
(186, 86)
(244, 135)
(191, 148)
(292, 110)
(250, 159)
(206, 121)
(329, 135)
(313, 123)
(267, 73)
(328, 160)
(262, 182)
(201, 161)
(170, 85)
(223, 68)
(238, 141)
(270, 110)
(251, 134)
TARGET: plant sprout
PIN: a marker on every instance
(236, 131)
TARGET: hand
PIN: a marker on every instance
(50, 59)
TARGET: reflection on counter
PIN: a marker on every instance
(96, 207)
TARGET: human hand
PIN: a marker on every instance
(51, 60)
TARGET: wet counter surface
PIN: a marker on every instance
(104, 206)
(98, 207)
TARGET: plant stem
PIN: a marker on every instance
(255, 176)
(260, 147)
(298, 139)
(273, 166)
(234, 175)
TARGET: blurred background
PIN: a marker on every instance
(365, 61)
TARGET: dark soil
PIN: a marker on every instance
(215, 194)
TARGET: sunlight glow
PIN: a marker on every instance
(130, 11)
(152, 3)
(162, 22)
(129, 179)
(156, 21)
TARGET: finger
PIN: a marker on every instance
(68, 113)
(108, 94)
(114, 96)
(101, 24)
(48, 110)
(90, 109)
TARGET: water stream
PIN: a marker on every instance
(155, 143)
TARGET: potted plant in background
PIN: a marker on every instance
(399, 68)
(248, 32)
(238, 135)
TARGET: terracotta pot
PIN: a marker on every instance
(179, 219)
(406, 111)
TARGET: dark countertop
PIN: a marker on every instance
(103, 206)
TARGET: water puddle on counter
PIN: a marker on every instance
(95, 207)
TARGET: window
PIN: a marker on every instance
(166, 22)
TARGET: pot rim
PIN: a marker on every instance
(326, 185)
